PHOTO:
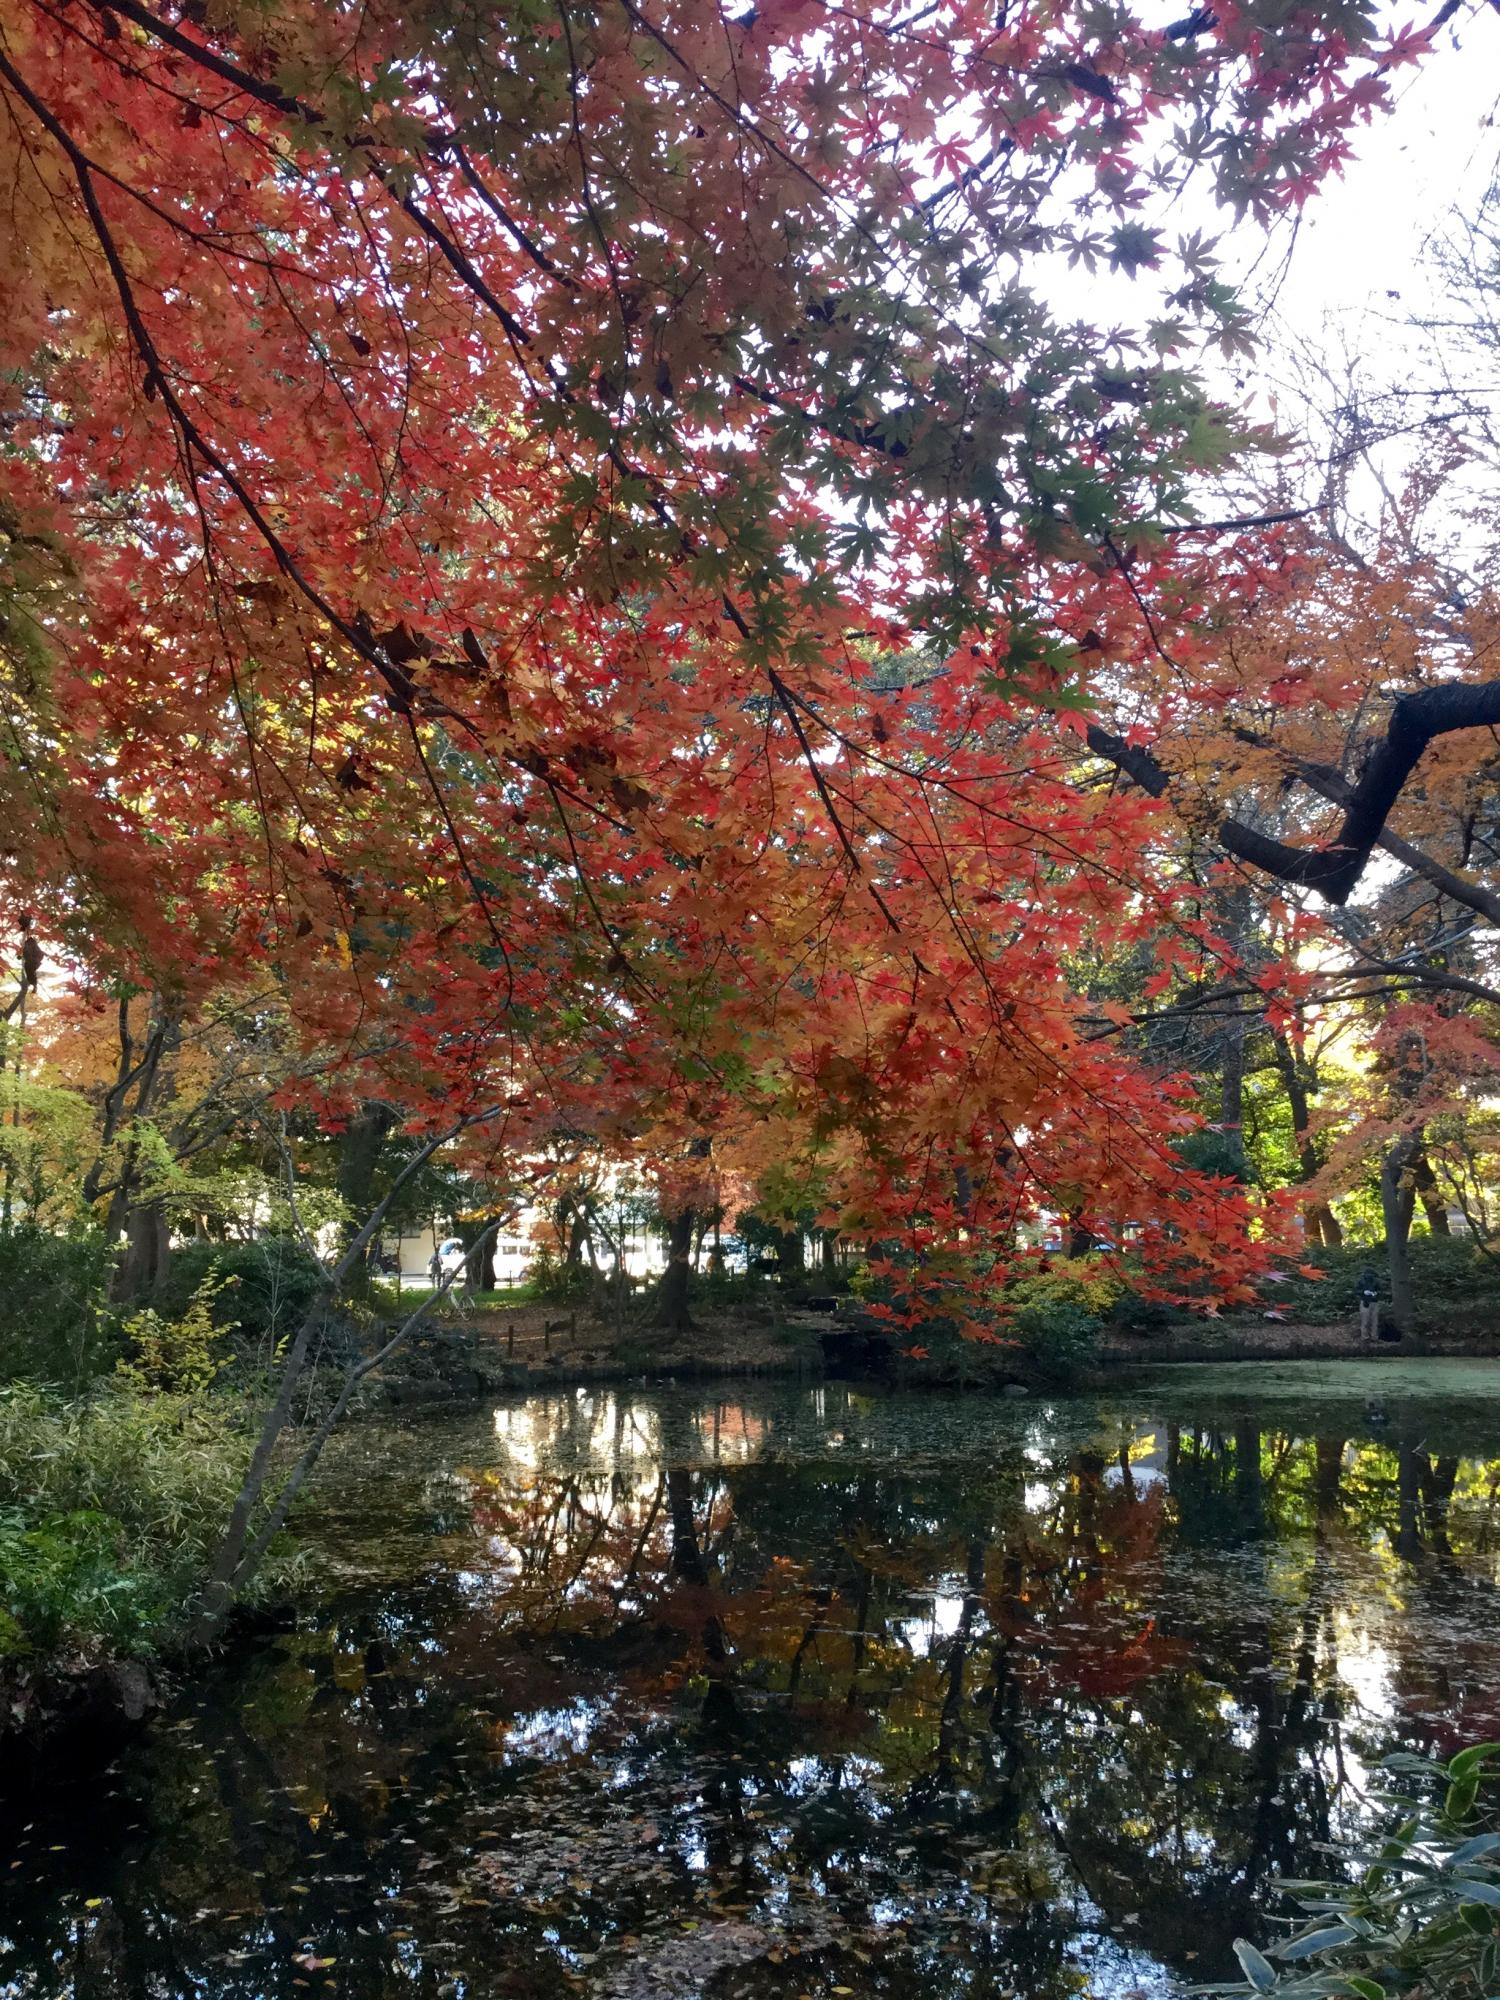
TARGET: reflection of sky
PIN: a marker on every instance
(938, 1621)
(597, 1430)
(554, 1732)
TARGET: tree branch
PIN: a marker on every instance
(1387, 763)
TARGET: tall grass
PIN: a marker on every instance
(110, 1510)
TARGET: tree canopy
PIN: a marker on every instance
(573, 547)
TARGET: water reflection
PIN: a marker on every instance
(793, 1692)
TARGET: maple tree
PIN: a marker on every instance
(467, 475)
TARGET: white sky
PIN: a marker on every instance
(1366, 234)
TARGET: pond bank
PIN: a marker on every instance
(500, 1352)
(64, 1720)
(1256, 1340)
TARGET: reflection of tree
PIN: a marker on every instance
(1052, 1703)
(949, 1697)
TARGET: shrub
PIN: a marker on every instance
(1080, 1282)
(1136, 1315)
(862, 1282)
(552, 1282)
(1056, 1335)
(263, 1291)
(1451, 1271)
(179, 1357)
(56, 1328)
(110, 1511)
(1422, 1916)
(1211, 1152)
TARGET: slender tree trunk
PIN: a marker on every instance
(142, 1265)
(1397, 1201)
(1247, 1474)
(1320, 1222)
(1232, 1089)
(1409, 1467)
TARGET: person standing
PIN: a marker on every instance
(1369, 1305)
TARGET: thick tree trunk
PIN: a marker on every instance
(147, 1255)
(670, 1309)
(359, 1157)
(1328, 1476)
(1439, 1477)
(1425, 1181)
(580, 1238)
(480, 1260)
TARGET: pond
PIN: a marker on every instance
(782, 1691)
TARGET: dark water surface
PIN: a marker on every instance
(785, 1692)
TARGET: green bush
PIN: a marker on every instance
(1082, 1282)
(56, 1327)
(1210, 1152)
(1448, 1274)
(1133, 1314)
(1450, 1271)
(1422, 1915)
(552, 1282)
(1059, 1307)
(267, 1287)
(110, 1510)
(1057, 1335)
